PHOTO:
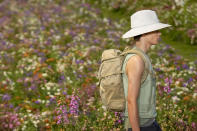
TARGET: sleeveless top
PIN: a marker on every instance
(147, 96)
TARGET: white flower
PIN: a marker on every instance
(180, 92)
(45, 113)
(190, 72)
(27, 79)
(55, 47)
(43, 101)
(4, 82)
(81, 68)
(173, 74)
(42, 87)
(153, 46)
(185, 89)
(61, 67)
(194, 95)
(51, 96)
(30, 115)
(57, 37)
(24, 128)
(44, 74)
(179, 2)
(47, 101)
(91, 99)
(165, 61)
(48, 87)
(57, 93)
(175, 99)
(104, 108)
(39, 100)
(177, 83)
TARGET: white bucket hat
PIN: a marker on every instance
(144, 21)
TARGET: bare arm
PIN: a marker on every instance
(134, 71)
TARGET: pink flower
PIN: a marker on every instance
(194, 125)
(191, 32)
(10, 126)
(167, 89)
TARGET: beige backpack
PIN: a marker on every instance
(110, 77)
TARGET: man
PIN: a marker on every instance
(140, 112)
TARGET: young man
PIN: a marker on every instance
(140, 112)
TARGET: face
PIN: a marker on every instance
(153, 37)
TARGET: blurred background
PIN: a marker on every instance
(50, 53)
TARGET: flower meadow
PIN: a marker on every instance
(49, 59)
(179, 13)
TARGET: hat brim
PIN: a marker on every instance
(144, 29)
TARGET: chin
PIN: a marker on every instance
(155, 43)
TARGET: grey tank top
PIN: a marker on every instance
(142, 121)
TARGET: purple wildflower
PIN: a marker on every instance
(11, 106)
(119, 121)
(175, 62)
(59, 117)
(157, 69)
(184, 84)
(190, 80)
(119, 116)
(52, 100)
(6, 97)
(33, 87)
(168, 81)
(185, 66)
(80, 76)
(167, 89)
(191, 32)
(74, 106)
(37, 102)
(161, 76)
(194, 125)
(43, 59)
(61, 79)
(79, 61)
(178, 68)
(178, 57)
(116, 113)
(64, 93)
(62, 115)
(9, 121)
(93, 86)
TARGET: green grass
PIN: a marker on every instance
(184, 49)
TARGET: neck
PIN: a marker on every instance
(143, 46)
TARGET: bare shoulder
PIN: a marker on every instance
(135, 64)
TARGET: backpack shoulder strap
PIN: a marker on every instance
(138, 52)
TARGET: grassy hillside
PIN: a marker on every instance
(183, 48)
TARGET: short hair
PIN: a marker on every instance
(137, 38)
